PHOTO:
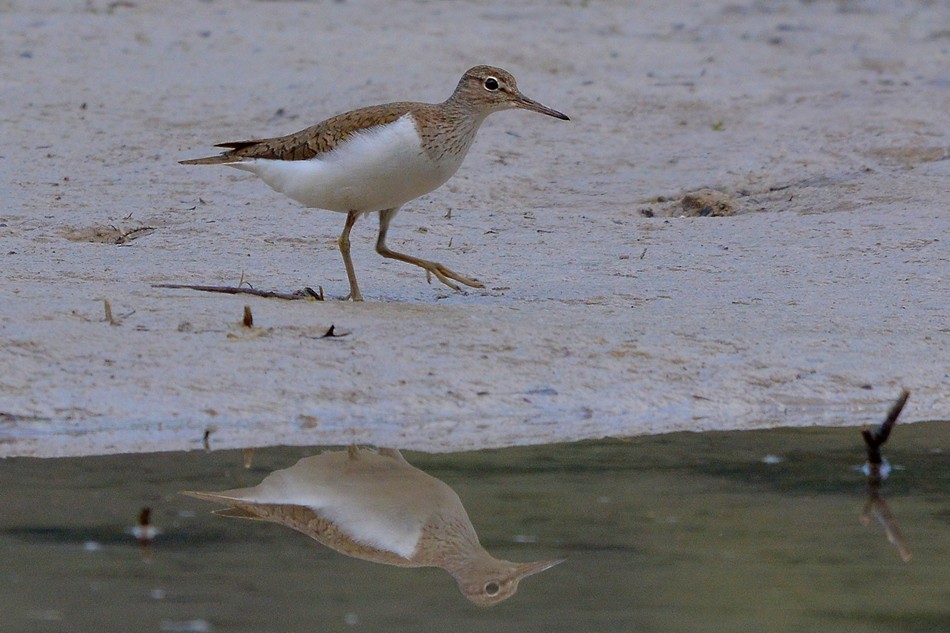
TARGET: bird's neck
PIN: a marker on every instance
(449, 129)
(453, 546)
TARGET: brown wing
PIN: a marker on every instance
(316, 139)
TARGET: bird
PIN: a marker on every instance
(374, 505)
(378, 158)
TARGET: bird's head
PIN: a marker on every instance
(491, 89)
(488, 583)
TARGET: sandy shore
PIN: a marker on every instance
(822, 125)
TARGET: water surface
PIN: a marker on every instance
(758, 531)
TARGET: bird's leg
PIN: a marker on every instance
(344, 243)
(443, 274)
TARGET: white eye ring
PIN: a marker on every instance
(492, 588)
(491, 84)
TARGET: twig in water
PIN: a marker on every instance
(877, 470)
(874, 439)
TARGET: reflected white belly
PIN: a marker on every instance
(379, 168)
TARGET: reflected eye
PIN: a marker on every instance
(492, 588)
(491, 84)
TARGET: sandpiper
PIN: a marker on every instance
(377, 507)
(378, 158)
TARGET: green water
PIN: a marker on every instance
(684, 532)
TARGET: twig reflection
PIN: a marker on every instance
(877, 470)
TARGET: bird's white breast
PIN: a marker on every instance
(377, 168)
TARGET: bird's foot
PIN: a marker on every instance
(446, 275)
(355, 295)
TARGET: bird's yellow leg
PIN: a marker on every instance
(442, 273)
(344, 243)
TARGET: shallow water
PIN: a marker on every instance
(757, 531)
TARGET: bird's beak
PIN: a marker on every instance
(530, 569)
(530, 104)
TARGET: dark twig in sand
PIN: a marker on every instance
(332, 333)
(127, 236)
(307, 294)
(248, 320)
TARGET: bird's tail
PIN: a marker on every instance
(220, 159)
(229, 498)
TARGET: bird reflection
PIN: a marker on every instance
(375, 506)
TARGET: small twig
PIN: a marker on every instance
(133, 234)
(144, 531)
(331, 333)
(206, 440)
(306, 294)
(108, 307)
(248, 320)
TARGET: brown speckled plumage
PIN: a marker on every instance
(444, 128)
(312, 141)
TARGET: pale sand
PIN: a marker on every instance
(825, 124)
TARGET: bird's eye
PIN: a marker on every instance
(491, 84)
(492, 588)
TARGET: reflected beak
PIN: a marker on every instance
(530, 569)
(525, 103)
